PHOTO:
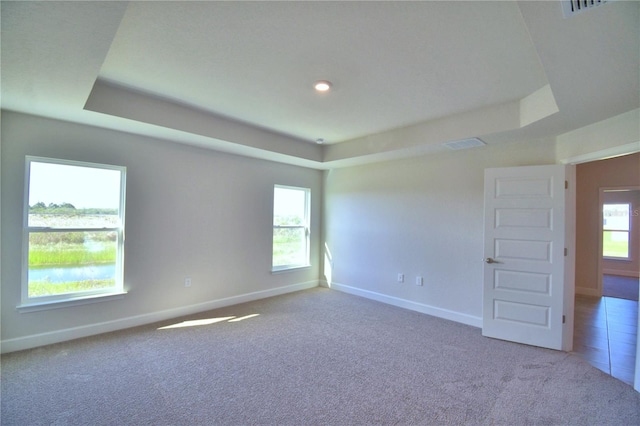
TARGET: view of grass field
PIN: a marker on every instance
(62, 251)
(46, 288)
(615, 244)
(71, 248)
(289, 246)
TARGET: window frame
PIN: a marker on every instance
(306, 227)
(37, 303)
(626, 231)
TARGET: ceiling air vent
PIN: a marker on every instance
(572, 7)
(464, 144)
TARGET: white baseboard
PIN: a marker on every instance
(408, 304)
(632, 274)
(593, 292)
(35, 340)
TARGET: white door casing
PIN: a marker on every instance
(524, 247)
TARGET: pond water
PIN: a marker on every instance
(76, 273)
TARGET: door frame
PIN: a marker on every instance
(630, 148)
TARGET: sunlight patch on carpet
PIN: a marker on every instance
(206, 321)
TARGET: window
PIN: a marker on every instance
(615, 234)
(73, 231)
(290, 227)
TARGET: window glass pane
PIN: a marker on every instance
(61, 262)
(65, 262)
(289, 246)
(66, 196)
(615, 217)
(615, 244)
(288, 206)
(290, 227)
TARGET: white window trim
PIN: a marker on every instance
(307, 229)
(70, 301)
(77, 298)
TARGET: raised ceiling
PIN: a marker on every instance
(238, 76)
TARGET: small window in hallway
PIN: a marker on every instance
(615, 230)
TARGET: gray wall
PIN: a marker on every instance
(207, 215)
(190, 212)
(420, 217)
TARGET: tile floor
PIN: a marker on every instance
(605, 334)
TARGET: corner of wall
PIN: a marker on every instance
(614, 136)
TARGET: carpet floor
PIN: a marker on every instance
(316, 357)
(620, 287)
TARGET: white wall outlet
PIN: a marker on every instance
(400, 278)
(419, 280)
(187, 282)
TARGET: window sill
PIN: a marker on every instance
(289, 269)
(619, 259)
(72, 301)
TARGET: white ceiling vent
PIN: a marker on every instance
(464, 144)
(572, 7)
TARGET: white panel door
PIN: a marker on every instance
(524, 247)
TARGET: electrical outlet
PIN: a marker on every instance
(419, 280)
(187, 282)
(400, 278)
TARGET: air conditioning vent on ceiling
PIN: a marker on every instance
(464, 144)
(572, 7)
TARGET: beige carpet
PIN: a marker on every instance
(317, 357)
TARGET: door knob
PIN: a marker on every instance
(490, 260)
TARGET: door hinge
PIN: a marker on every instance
(566, 184)
(565, 251)
(564, 319)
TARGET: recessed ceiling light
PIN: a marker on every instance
(322, 85)
(319, 141)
